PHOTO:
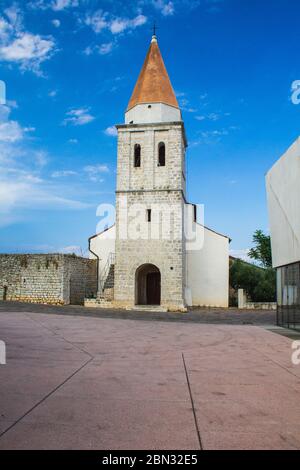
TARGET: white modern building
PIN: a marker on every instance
(283, 193)
(157, 253)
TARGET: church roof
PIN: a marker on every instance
(153, 84)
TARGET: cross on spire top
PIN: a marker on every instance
(155, 28)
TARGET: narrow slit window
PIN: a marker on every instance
(149, 215)
(195, 213)
(161, 154)
(137, 155)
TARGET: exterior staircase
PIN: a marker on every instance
(109, 282)
(105, 293)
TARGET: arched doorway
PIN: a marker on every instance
(147, 285)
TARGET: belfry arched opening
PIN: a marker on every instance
(147, 285)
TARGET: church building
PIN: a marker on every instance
(158, 254)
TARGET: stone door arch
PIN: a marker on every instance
(147, 285)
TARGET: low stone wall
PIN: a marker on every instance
(47, 278)
(261, 306)
(244, 303)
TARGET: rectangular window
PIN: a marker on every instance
(137, 156)
(149, 215)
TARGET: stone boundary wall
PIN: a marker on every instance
(56, 279)
(244, 303)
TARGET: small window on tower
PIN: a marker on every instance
(137, 155)
(161, 154)
(149, 215)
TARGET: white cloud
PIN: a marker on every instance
(5, 29)
(105, 48)
(10, 131)
(184, 104)
(212, 116)
(52, 93)
(14, 16)
(118, 25)
(55, 5)
(21, 183)
(39, 4)
(165, 7)
(111, 131)
(78, 117)
(27, 47)
(139, 20)
(95, 172)
(63, 173)
(100, 20)
(41, 158)
(209, 137)
(97, 21)
(56, 23)
(26, 193)
(22, 47)
(215, 133)
(58, 5)
(73, 141)
(88, 50)
(21, 192)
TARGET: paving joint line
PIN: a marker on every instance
(192, 402)
(45, 397)
(59, 335)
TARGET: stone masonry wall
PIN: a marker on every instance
(42, 278)
(156, 188)
(149, 175)
(80, 279)
(167, 254)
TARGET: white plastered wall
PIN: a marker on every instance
(152, 113)
(283, 193)
(208, 270)
(103, 244)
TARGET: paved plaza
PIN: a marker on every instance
(76, 381)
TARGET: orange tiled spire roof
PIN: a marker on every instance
(153, 84)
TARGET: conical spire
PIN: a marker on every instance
(153, 84)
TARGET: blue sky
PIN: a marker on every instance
(70, 67)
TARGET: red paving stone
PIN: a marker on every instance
(99, 383)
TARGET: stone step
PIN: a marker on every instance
(95, 303)
(148, 308)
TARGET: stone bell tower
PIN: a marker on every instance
(150, 195)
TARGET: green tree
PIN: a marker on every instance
(265, 291)
(261, 251)
(259, 283)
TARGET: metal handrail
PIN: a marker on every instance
(105, 271)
